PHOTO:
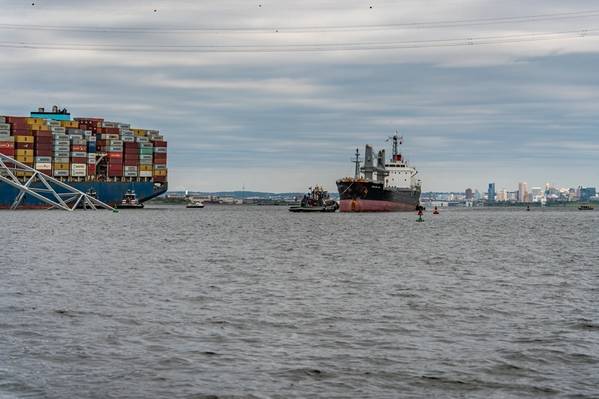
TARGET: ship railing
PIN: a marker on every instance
(68, 198)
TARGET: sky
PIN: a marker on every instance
(277, 95)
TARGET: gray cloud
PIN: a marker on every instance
(285, 120)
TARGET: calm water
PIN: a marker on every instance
(235, 302)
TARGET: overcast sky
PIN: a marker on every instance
(276, 95)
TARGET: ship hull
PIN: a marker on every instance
(366, 196)
(110, 193)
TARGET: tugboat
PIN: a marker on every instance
(585, 207)
(317, 200)
(130, 201)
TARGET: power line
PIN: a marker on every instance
(306, 29)
(305, 47)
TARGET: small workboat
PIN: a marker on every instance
(316, 200)
(130, 201)
(195, 204)
(585, 208)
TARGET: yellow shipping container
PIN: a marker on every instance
(24, 174)
(25, 159)
(60, 166)
(40, 127)
(24, 139)
(145, 168)
(160, 172)
(139, 132)
(71, 124)
(35, 121)
(24, 153)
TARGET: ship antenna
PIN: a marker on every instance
(396, 141)
(357, 161)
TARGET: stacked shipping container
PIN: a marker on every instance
(85, 148)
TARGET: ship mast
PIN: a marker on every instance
(357, 161)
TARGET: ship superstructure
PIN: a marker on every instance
(380, 185)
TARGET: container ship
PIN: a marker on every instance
(387, 187)
(104, 159)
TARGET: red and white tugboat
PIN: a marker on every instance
(130, 201)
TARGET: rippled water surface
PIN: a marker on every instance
(258, 302)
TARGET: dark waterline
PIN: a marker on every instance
(259, 302)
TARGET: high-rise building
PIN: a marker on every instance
(522, 192)
(491, 193)
(469, 194)
(587, 192)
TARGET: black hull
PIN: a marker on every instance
(368, 196)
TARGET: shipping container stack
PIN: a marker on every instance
(78, 143)
(70, 149)
(7, 142)
(160, 168)
(61, 150)
(42, 145)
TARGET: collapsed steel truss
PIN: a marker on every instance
(69, 198)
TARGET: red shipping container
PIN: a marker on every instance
(21, 132)
(128, 145)
(43, 146)
(7, 144)
(42, 133)
(47, 172)
(91, 170)
(159, 143)
(159, 179)
(43, 140)
(79, 148)
(130, 162)
(111, 130)
(43, 153)
(159, 158)
(8, 152)
(115, 155)
(24, 146)
(78, 159)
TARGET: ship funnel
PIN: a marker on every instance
(55, 108)
(368, 167)
(381, 172)
(40, 109)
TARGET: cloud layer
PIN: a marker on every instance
(275, 95)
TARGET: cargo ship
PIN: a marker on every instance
(98, 157)
(387, 187)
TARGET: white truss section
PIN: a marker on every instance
(68, 198)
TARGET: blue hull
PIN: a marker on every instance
(109, 192)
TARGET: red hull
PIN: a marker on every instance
(361, 205)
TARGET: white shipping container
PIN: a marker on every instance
(58, 159)
(43, 165)
(43, 159)
(160, 150)
(142, 139)
(79, 154)
(60, 173)
(130, 168)
(159, 166)
(78, 166)
(5, 126)
(145, 162)
(130, 174)
(128, 139)
(145, 173)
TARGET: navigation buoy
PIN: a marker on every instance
(435, 211)
(420, 216)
